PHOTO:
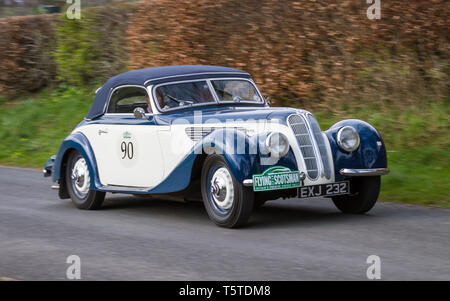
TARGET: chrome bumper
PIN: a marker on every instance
(47, 171)
(248, 182)
(364, 172)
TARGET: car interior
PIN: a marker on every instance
(125, 100)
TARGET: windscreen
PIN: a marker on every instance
(179, 95)
(236, 91)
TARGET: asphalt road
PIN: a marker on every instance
(145, 239)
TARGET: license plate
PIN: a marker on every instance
(331, 189)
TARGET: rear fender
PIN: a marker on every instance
(75, 141)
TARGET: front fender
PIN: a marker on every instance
(76, 141)
(244, 154)
(241, 152)
(370, 154)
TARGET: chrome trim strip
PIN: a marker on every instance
(318, 149)
(211, 88)
(126, 188)
(152, 100)
(364, 172)
(191, 74)
(320, 167)
(248, 182)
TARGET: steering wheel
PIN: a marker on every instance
(237, 98)
(172, 98)
(185, 103)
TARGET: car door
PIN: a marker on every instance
(127, 149)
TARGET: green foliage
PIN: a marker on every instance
(92, 49)
(32, 129)
(76, 51)
(418, 176)
(417, 138)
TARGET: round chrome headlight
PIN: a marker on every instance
(277, 144)
(348, 139)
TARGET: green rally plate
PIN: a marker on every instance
(276, 177)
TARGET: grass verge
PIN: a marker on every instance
(417, 137)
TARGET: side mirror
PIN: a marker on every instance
(268, 101)
(139, 113)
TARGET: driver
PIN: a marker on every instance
(162, 102)
(169, 102)
(235, 89)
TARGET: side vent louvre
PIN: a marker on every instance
(197, 133)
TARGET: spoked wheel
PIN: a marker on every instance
(365, 190)
(78, 183)
(228, 203)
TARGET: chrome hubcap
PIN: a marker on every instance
(81, 180)
(222, 189)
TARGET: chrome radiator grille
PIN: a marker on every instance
(312, 144)
(320, 141)
(301, 132)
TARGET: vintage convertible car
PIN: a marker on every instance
(206, 133)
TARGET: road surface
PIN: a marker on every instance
(135, 238)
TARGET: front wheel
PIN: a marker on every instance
(78, 183)
(365, 192)
(227, 202)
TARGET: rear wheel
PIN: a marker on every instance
(227, 202)
(365, 192)
(78, 183)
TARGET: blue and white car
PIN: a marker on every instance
(207, 133)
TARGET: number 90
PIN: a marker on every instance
(127, 150)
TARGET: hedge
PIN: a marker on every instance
(38, 51)
(26, 46)
(307, 52)
(92, 49)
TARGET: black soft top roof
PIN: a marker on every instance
(149, 76)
